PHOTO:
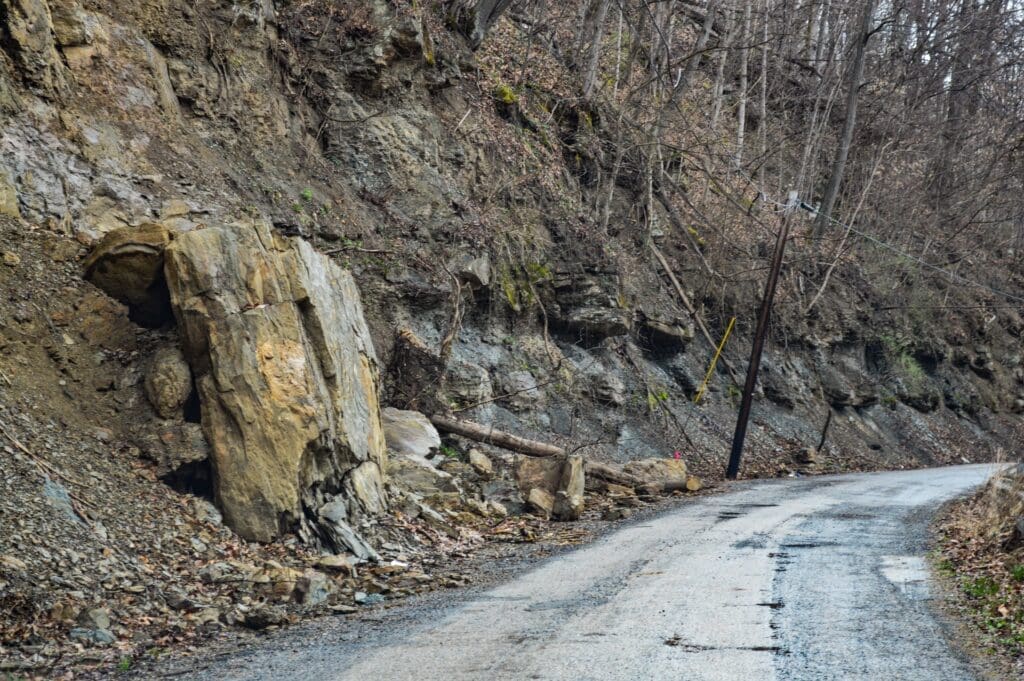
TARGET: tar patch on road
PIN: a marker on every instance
(806, 544)
(676, 641)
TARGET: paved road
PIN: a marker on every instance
(818, 578)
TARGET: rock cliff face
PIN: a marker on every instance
(233, 183)
(284, 368)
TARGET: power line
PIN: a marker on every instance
(883, 244)
(924, 263)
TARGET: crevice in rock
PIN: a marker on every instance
(195, 478)
(192, 409)
(874, 357)
(155, 312)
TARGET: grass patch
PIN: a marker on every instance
(981, 587)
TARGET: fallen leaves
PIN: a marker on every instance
(981, 551)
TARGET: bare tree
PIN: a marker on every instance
(828, 199)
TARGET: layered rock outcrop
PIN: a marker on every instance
(30, 41)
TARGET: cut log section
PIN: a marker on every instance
(613, 475)
(691, 484)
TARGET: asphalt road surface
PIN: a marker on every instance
(813, 578)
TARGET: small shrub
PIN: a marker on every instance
(505, 94)
(657, 397)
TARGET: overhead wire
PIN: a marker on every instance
(803, 205)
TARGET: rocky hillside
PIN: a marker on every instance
(234, 232)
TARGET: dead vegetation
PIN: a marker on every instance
(981, 551)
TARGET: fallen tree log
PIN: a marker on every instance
(691, 484)
(604, 472)
(612, 475)
(489, 435)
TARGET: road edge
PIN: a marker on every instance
(954, 611)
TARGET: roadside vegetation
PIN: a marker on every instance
(981, 552)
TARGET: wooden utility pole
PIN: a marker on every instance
(759, 336)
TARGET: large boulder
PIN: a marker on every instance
(569, 497)
(420, 477)
(286, 373)
(409, 433)
(412, 443)
(532, 471)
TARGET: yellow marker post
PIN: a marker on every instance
(714, 361)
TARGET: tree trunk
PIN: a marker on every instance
(474, 18)
(698, 49)
(594, 30)
(488, 435)
(615, 476)
(763, 104)
(741, 113)
(719, 86)
(846, 137)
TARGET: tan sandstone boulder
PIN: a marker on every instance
(560, 479)
(168, 382)
(658, 470)
(128, 264)
(286, 373)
